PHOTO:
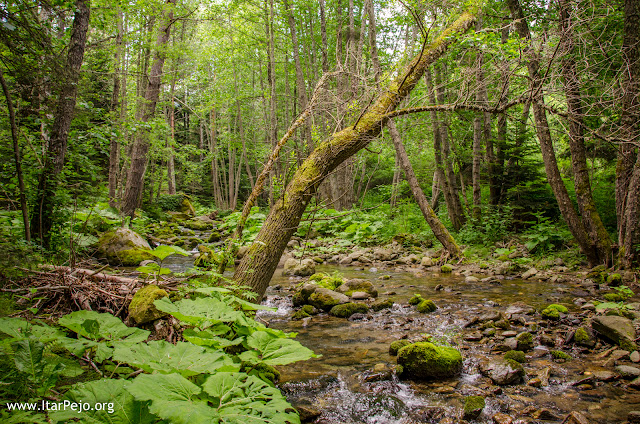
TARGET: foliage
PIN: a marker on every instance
(545, 235)
(494, 225)
(162, 253)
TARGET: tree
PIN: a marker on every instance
(260, 261)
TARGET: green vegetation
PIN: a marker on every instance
(516, 355)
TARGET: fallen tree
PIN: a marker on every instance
(260, 261)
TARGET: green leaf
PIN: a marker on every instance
(107, 392)
(209, 338)
(22, 417)
(173, 398)
(164, 357)
(28, 357)
(274, 350)
(19, 329)
(200, 311)
(162, 252)
(108, 327)
(243, 399)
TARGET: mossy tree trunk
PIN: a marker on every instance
(260, 261)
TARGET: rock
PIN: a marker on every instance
(583, 338)
(516, 355)
(302, 295)
(614, 280)
(382, 304)
(604, 375)
(326, 299)
(427, 414)
(525, 341)
(544, 414)
(345, 310)
(502, 371)
(426, 306)
(394, 347)
(147, 262)
(142, 309)
(635, 356)
(123, 247)
(357, 285)
(424, 360)
(299, 268)
(500, 418)
(381, 254)
(360, 295)
(628, 372)
(446, 269)
(520, 308)
(575, 418)
(471, 279)
(617, 329)
(307, 413)
(558, 354)
(426, 261)
(303, 313)
(473, 406)
(415, 299)
(633, 417)
(529, 273)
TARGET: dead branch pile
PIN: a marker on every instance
(58, 290)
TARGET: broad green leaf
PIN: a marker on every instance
(208, 338)
(22, 417)
(28, 355)
(94, 325)
(200, 311)
(164, 357)
(162, 252)
(173, 398)
(273, 350)
(120, 407)
(19, 329)
(243, 399)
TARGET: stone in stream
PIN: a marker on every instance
(635, 356)
(619, 330)
(382, 304)
(424, 360)
(347, 309)
(473, 406)
(326, 299)
(628, 372)
(576, 418)
(520, 308)
(359, 295)
(524, 341)
(426, 262)
(299, 268)
(500, 418)
(633, 417)
(357, 285)
(502, 371)
(394, 347)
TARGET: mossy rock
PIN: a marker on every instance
(394, 347)
(186, 206)
(326, 299)
(415, 299)
(583, 338)
(123, 246)
(198, 225)
(614, 280)
(214, 237)
(558, 354)
(550, 314)
(357, 285)
(142, 309)
(560, 308)
(446, 269)
(383, 304)
(525, 341)
(302, 313)
(426, 306)
(347, 309)
(326, 281)
(424, 360)
(473, 406)
(516, 355)
(301, 297)
(613, 297)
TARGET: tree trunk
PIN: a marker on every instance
(628, 178)
(592, 222)
(140, 147)
(437, 227)
(260, 261)
(16, 157)
(54, 160)
(114, 145)
(546, 144)
(477, 161)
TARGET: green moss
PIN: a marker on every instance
(446, 268)
(347, 309)
(394, 347)
(130, 257)
(326, 281)
(558, 354)
(614, 280)
(627, 345)
(613, 297)
(559, 308)
(503, 324)
(473, 406)
(525, 341)
(581, 336)
(322, 301)
(424, 360)
(214, 237)
(383, 304)
(415, 299)
(551, 314)
(426, 306)
(516, 355)
(304, 312)
(142, 309)
(515, 365)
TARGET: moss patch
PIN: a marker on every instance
(446, 268)
(525, 341)
(347, 309)
(559, 308)
(304, 312)
(142, 309)
(558, 354)
(473, 406)
(516, 355)
(424, 360)
(394, 347)
(614, 280)
(426, 306)
(551, 314)
(383, 304)
(415, 299)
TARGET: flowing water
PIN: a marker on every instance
(341, 384)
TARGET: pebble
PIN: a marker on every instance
(635, 356)
(501, 418)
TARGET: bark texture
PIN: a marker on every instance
(260, 261)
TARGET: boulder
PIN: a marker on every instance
(303, 268)
(326, 299)
(142, 309)
(382, 304)
(473, 406)
(426, 306)
(357, 285)
(424, 360)
(347, 309)
(381, 254)
(426, 261)
(359, 295)
(502, 371)
(302, 295)
(394, 347)
(529, 273)
(123, 246)
(616, 329)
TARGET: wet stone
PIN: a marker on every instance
(628, 372)
(633, 417)
(604, 375)
(501, 418)
(635, 356)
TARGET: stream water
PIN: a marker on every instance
(338, 385)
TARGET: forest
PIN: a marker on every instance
(330, 211)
